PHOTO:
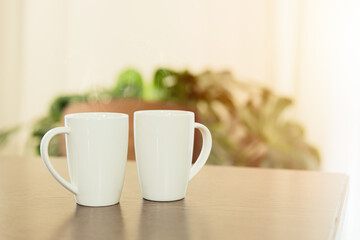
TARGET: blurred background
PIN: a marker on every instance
(276, 81)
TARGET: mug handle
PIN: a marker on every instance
(44, 145)
(205, 150)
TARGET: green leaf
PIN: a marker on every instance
(160, 75)
(129, 85)
(61, 102)
(6, 133)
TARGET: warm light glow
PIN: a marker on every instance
(306, 50)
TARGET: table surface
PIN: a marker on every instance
(221, 203)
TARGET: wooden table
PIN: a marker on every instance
(221, 203)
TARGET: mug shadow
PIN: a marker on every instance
(93, 223)
(163, 220)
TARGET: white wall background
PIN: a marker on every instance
(75, 45)
(306, 49)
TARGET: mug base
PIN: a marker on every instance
(97, 205)
(166, 200)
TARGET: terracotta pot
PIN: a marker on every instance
(129, 106)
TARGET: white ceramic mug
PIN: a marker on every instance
(96, 147)
(164, 141)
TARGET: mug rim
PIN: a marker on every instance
(161, 112)
(96, 115)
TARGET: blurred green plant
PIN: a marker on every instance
(129, 84)
(246, 120)
(6, 133)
